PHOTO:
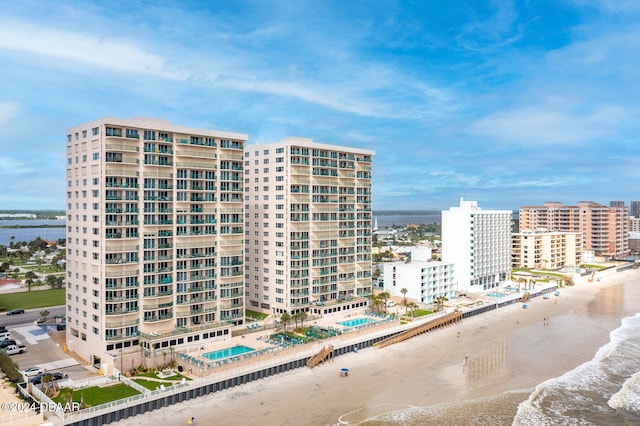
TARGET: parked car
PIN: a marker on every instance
(15, 312)
(7, 342)
(5, 335)
(15, 349)
(44, 376)
(33, 371)
(3, 328)
(61, 327)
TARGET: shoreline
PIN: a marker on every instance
(510, 350)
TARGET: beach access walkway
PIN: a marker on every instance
(444, 321)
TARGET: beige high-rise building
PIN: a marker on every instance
(154, 238)
(603, 229)
(308, 227)
(548, 250)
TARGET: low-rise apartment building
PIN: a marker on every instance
(546, 250)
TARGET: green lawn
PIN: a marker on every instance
(96, 395)
(44, 269)
(258, 316)
(32, 299)
(150, 384)
(418, 313)
(153, 375)
(591, 266)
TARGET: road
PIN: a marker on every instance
(30, 316)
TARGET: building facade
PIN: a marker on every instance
(603, 229)
(634, 209)
(478, 243)
(546, 250)
(154, 237)
(308, 227)
(424, 280)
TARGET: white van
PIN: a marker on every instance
(5, 335)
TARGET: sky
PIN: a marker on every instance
(507, 103)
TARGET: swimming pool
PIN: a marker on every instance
(496, 294)
(356, 322)
(227, 352)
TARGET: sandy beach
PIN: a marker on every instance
(506, 350)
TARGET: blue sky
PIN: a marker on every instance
(508, 103)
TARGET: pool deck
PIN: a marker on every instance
(259, 340)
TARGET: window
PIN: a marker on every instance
(280, 160)
(84, 133)
(96, 155)
(95, 131)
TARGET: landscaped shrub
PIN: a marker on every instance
(9, 368)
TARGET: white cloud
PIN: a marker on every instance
(11, 166)
(548, 125)
(612, 5)
(8, 111)
(118, 54)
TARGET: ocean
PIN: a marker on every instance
(602, 391)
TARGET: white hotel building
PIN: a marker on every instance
(308, 227)
(154, 237)
(478, 242)
(425, 280)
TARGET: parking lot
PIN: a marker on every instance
(44, 351)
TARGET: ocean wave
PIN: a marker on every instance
(627, 398)
(586, 393)
(492, 410)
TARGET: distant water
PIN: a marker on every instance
(30, 234)
(603, 391)
(401, 219)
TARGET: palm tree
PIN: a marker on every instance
(67, 395)
(440, 302)
(142, 356)
(303, 316)
(412, 308)
(385, 295)
(372, 299)
(404, 292)
(30, 277)
(376, 304)
(285, 318)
